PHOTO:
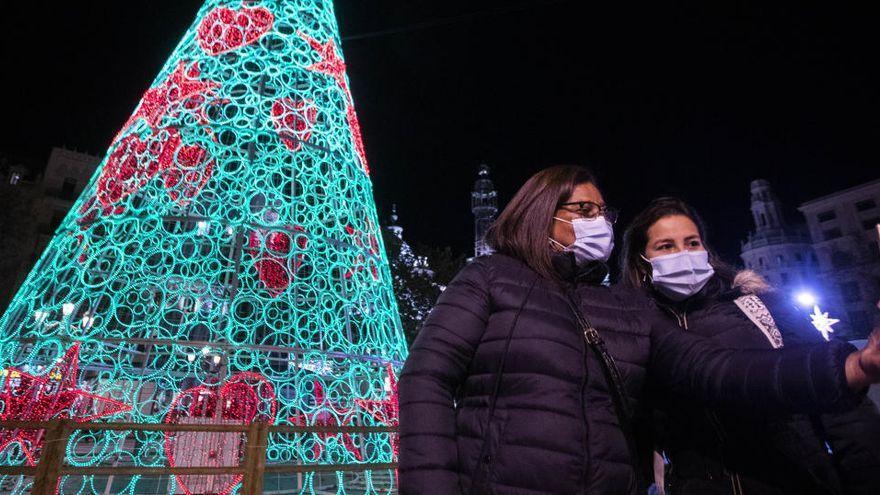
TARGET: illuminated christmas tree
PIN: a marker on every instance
(223, 266)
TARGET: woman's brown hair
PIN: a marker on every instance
(524, 227)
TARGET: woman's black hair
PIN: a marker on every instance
(635, 271)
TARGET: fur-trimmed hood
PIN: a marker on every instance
(750, 282)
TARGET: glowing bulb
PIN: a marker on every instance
(202, 227)
(67, 308)
(217, 359)
(205, 350)
(190, 357)
(805, 299)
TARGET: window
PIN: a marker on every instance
(798, 257)
(826, 216)
(871, 223)
(68, 188)
(841, 259)
(761, 262)
(850, 291)
(831, 234)
(57, 217)
(763, 220)
(866, 204)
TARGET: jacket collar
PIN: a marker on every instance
(591, 273)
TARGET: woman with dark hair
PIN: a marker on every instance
(665, 253)
(527, 373)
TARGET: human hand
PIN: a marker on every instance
(863, 367)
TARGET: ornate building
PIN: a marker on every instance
(780, 252)
(40, 201)
(843, 227)
(484, 205)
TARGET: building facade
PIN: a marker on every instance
(780, 252)
(844, 231)
(44, 198)
(484, 205)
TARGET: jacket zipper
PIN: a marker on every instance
(735, 481)
(584, 380)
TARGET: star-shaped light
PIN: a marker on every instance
(182, 88)
(331, 63)
(387, 410)
(822, 322)
(56, 394)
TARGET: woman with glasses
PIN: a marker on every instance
(527, 374)
(714, 451)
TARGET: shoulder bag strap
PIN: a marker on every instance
(622, 406)
(757, 311)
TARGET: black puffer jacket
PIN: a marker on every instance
(714, 451)
(554, 427)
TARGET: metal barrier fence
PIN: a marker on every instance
(51, 466)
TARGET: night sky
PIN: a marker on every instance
(664, 99)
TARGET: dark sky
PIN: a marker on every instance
(695, 100)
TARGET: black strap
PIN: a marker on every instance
(477, 478)
(622, 405)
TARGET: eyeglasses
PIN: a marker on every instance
(590, 210)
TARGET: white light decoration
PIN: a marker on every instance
(823, 322)
(202, 227)
(67, 308)
(805, 299)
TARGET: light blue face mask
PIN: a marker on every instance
(679, 276)
(594, 239)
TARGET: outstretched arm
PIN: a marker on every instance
(814, 378)
(437, 365)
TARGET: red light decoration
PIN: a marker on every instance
(181, 90)
(327, 415)
(224, 29)
(135, 162)
(271, 262)
(330, 62)
(243, 399)
(185, 176)
(387, 410)
(357, 138)
(293, 120)
(56, 394)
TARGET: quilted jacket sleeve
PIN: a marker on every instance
(806, 379)
(854, 435)
(437, 365)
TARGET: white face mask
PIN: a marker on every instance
(679, 276)
(594, 239)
